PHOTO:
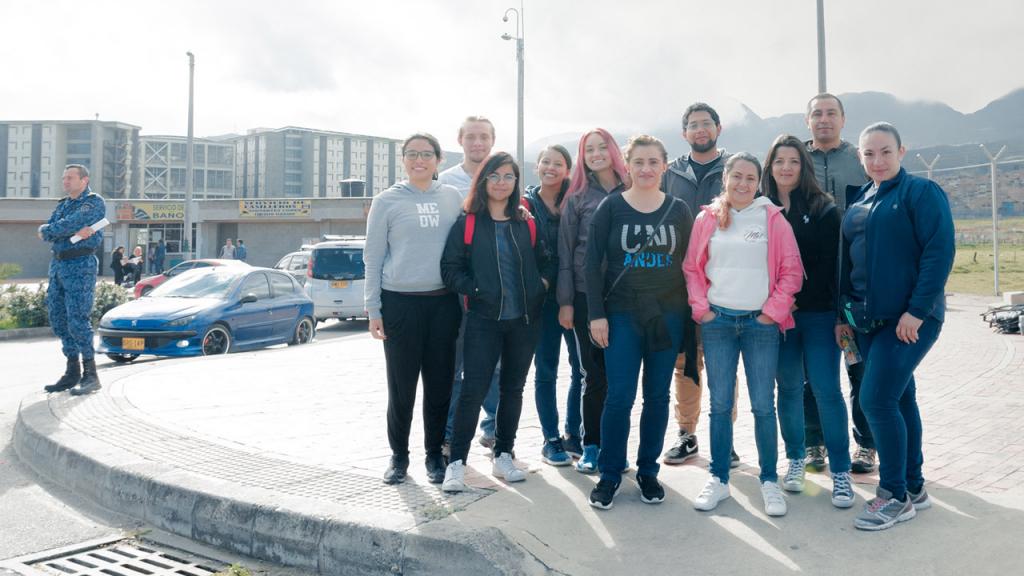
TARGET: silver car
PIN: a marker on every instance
(295, 263)
(335, 276)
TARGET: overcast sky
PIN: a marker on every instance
(392, 67)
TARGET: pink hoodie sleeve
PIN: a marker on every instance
(693, 268)
(789, 275)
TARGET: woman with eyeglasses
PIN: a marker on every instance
(494, 257)
(600, 172)
(407, 302)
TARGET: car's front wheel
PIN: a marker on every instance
(122, 358)
(217, 340)
(304, 332)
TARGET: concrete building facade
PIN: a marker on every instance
(33, 155)
(164, 168)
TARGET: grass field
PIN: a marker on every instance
(972, 269)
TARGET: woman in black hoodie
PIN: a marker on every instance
(494, 258)
(809, 352)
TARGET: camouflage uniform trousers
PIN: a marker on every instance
(69, 300)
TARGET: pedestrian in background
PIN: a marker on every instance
(808, 353)
(241, 253)
(160, 255)
(151, 258)
(407, 302)
(897, 251)
(116, 264)
(600, 171)
(636, 299)
(72, 278)
(227, 251)
(494, 257)
(742, 272)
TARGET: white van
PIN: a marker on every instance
(335, 276)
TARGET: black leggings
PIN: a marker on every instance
(595, 382)
(421, 332)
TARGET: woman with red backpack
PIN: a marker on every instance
(494, 258)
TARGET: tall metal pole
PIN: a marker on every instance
(189, 161)
(821, 48)
(995, 216)
(521, 65)
(930, 167)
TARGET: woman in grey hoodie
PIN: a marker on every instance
(408, 306)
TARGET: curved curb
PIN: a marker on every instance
(303, 532)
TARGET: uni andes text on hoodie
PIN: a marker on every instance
(737, 265)
(406, 231)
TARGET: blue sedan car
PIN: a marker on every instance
(208, 311)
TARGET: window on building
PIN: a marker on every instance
(178, 152)
(79, 132)
(178, 178)
(79, 148)
(199, 153)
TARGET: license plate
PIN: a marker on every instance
(339, 284)
(133, 343)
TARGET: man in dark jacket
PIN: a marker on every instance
(696, 179)
(839, 172)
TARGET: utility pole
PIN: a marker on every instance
(930, 167)
(187, 247)
(995, 216)
(821, 48)
(520, 63)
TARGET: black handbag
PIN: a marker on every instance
(855, 313)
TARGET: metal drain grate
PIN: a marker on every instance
(124, 558)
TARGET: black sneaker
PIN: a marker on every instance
(435, 468)
(684, 450)
(651, 491)
(397, 470)
(734, 460)
(815, 460)
(602, 494)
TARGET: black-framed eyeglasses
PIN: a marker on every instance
(414, 154)
(495, 178)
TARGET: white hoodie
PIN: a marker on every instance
(737, 265)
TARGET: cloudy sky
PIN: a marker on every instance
(392, 67)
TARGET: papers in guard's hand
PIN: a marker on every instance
(95, 227)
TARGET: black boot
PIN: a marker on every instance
(90, 381)
(71, 376)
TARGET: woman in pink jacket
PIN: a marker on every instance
(742, 272)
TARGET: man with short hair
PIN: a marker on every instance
(227, 251)
(839, 172)
(241, 253)
(159, 255)
(696, 179)
(72, 278)
(476, 136)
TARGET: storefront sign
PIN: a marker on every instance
(138, 211)
(273, 208)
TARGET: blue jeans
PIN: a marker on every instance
(888, 396)
(809, 353)
(545, 364)
(725, 337)
(487, 341)
(490, 404)
(622, 358)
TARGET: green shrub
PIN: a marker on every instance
(7, 270)
(26, 306)
(108, 295)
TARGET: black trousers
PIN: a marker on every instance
(595, 381)
(421, 332)
(486, 340)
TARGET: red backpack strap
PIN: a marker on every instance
(530, 221)
(467, 235)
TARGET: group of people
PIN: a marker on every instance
(128, 269)
(823, 252)
(230, 251)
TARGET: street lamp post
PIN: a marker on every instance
(995, 216)
(520, 32)
(189, 163)
(821, 47)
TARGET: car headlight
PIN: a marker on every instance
(184, 321)
(105, 322)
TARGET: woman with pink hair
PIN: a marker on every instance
(600, 172)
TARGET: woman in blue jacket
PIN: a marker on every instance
(494, 258)
(897, 247)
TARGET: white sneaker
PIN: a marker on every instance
(794, 479)
(505, 468)
(713, 493)
(454, 477)
(774, 501)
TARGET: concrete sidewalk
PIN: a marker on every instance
(278, 455)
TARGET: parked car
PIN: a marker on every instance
(295, 263)
(335, 275)
(146, 285)
(210, 310)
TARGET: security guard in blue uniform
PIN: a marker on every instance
(72, 286)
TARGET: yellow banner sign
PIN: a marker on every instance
(136, 211)
(274, 208)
